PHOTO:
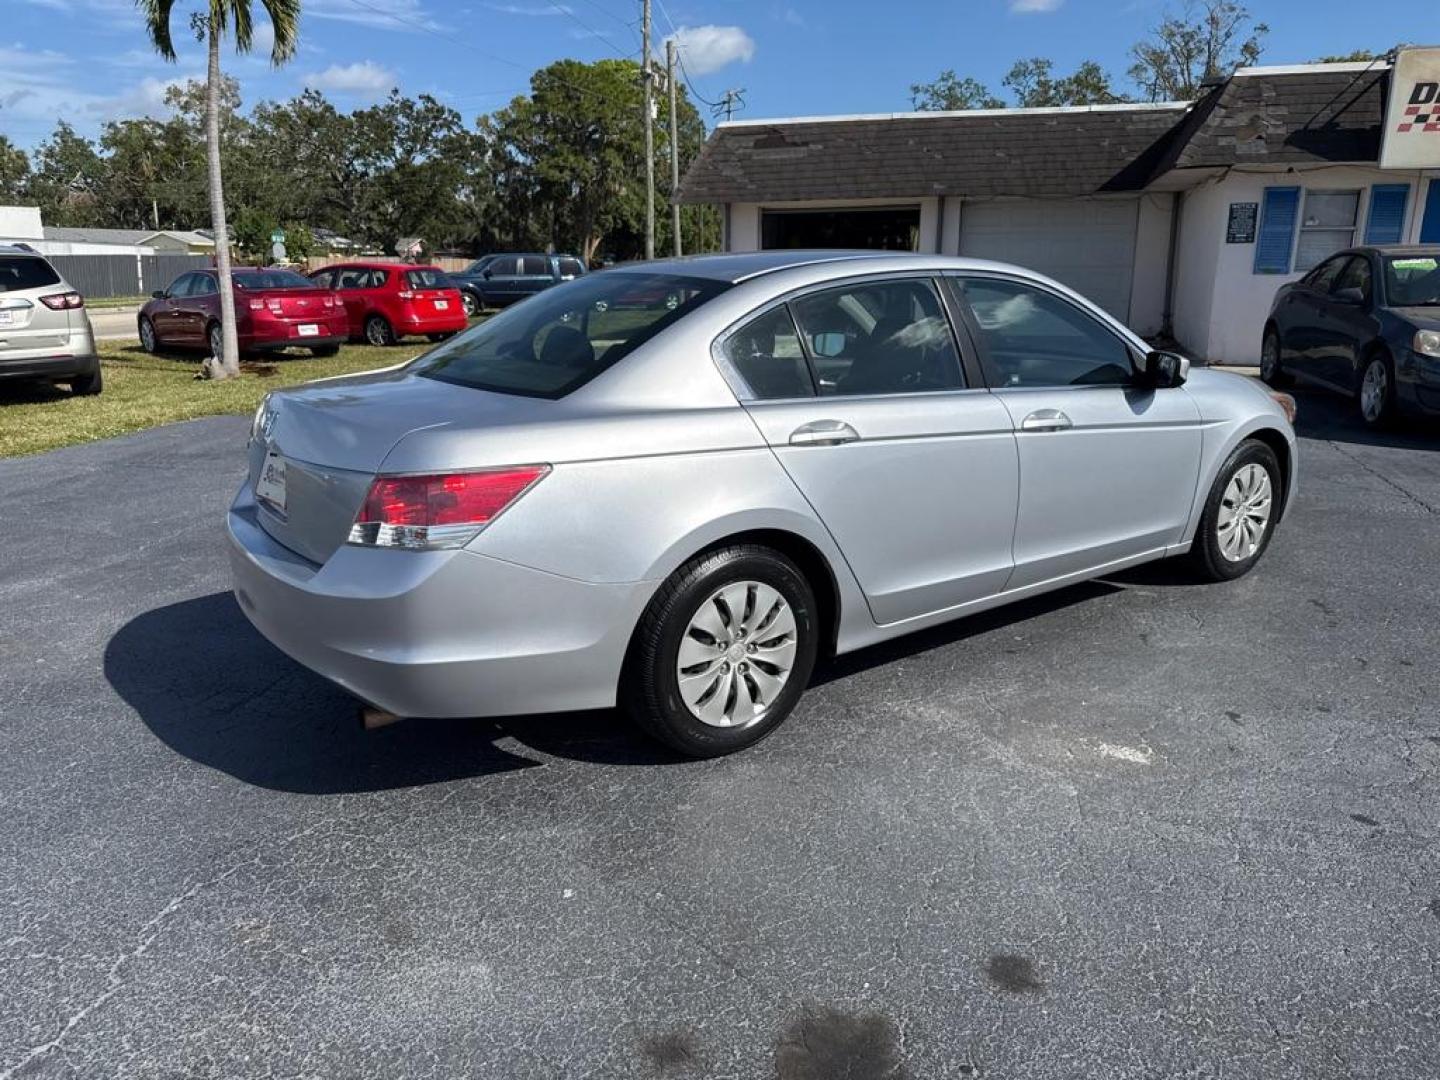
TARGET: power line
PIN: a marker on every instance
(570, 13)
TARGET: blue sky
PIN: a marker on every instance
(88, 61)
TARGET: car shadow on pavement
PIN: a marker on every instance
(215, 691)
(1335, 418)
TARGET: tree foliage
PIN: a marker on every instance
(14, 171)
(1034, 87)
(1205, 40)
(950, 92)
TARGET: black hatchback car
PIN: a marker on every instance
(1365, 322)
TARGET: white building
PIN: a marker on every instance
(1179, 218)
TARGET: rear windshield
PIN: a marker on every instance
(1412, 280)
(558, 340)
(273, 279)
(24, 272)
(427, 279)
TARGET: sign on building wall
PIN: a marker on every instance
(1412, 117)
(1240, 228)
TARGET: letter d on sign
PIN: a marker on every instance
(1424, 93)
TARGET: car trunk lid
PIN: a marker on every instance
(296, 304)
(332, 437)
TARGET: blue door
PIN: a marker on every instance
(1430, 223)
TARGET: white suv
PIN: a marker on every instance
(44, 331)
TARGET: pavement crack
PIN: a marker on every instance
(1416, 499)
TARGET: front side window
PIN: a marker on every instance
(1327, 225)
(203, 285)
(561, 338)
(1035, 338)
(181, 286)
(879, 337)
(505, 266)
(1356, 275)
(1412, 280)
(25, 272)
(1324, 275)
(766, 353)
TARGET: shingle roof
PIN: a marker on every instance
(1287, 117)
(96, 236)
(910, 155)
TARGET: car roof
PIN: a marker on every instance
(1399, 249)
(736, 268)
(15, 249)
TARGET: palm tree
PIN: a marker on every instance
(211, 27)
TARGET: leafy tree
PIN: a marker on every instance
(1031, 83)
(14, 171)
(68, 176)
(1354, 57)
(1204, 41)
(222, 16)
(950, 92)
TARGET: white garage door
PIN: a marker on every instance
(1089, 244)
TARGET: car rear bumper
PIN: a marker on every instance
(49, 367)
(436, 633)
(268, 341)
(444, 323)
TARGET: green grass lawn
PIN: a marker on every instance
(142, 391)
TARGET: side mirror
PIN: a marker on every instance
(487, 274)
(1348, 296)
(1164, 370)
(158, 294)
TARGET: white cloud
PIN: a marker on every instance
(364, 78)
(704, 49)
(146, 98)
(1030, 7)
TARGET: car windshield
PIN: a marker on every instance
(560, 339)
(479, 264)
(427, 279)
(25, 272)
(1412, 280)
(273, 279)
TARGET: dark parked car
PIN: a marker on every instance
(1365, 322)
(494, 281)
(274, 309)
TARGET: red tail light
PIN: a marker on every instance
(257, 304)
(274, 304)
(63, 301)
(438, 511)
(406, 294)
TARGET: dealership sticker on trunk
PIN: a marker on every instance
(441, 305)
(308, 329)
(270, 484)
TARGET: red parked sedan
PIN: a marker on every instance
(387, 301)
(273, 309)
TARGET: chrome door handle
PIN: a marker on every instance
(1046, 420)
(823, 433)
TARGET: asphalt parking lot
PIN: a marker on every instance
(1139, 828)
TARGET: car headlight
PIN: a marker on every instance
(258, 420)
(1427, 342)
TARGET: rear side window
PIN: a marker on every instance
(427, 279)
(880, 337)
(24, 272)
(534, 266)
(561, 338)
(766, 353)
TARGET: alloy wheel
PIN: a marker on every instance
(1374, 389)
(147, 336)
(1245, 511)
(217, 341)
(737, 654)
(1269, 357)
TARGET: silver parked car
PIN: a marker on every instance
(676, 485)
(44, 331)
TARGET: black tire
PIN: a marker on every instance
(88, 385)
(1206, 556)
(650, 690)
(216, 337)
(1272, 369)
(148, 341)
(1380, 414)
(379, 332)
(321, 351)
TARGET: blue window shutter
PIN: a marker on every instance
(1430, 223)
(1278, 215)
(1385, 224)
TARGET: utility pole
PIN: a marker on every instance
(674, 146)
(646, 77)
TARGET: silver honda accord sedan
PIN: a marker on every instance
(677, 485)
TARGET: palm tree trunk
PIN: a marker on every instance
(229, 360)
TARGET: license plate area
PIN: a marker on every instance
(270, 484)
(308, 329)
